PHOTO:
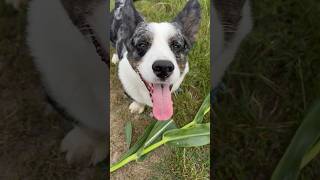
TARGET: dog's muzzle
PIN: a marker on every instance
(163, 69)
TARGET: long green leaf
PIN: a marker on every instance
(196, 135)
(204, 109)
(191, 135)
(128, 133)
(306, 136)
(139, 142)
(155, 135)
(311, 154)
(158, 129)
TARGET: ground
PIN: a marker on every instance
(269, 88)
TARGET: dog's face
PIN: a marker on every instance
(158, 51)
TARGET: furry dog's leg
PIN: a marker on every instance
(136, 107)
(79, 142)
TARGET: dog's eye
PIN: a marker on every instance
(176, 46)
(142, 45)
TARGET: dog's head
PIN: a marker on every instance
(159, 50)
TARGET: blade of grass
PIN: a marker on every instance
(315, 150)
(139, 142)
(204, 109)
(128, 133)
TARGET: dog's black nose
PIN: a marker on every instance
(163, 68)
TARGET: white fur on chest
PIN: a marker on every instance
(132, 83)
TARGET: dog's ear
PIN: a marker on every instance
(189, 19)
(126, 19)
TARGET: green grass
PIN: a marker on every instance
(185, 163)
(269, 88)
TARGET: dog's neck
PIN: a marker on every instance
(229, 13)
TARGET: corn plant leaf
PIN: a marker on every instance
(196, 135)
(128, 133)
(204, 109)
(156, 133)
(306, 137)
(159, 128)
(139, 143)
(142, 158)
(311, 154)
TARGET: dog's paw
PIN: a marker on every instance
(80, 147)
(99, 153)
(15, 3)
(115, 59)
(136, 107)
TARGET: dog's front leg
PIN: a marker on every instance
(115, 59)
(136, 107)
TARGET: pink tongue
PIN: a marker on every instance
(162, 103)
